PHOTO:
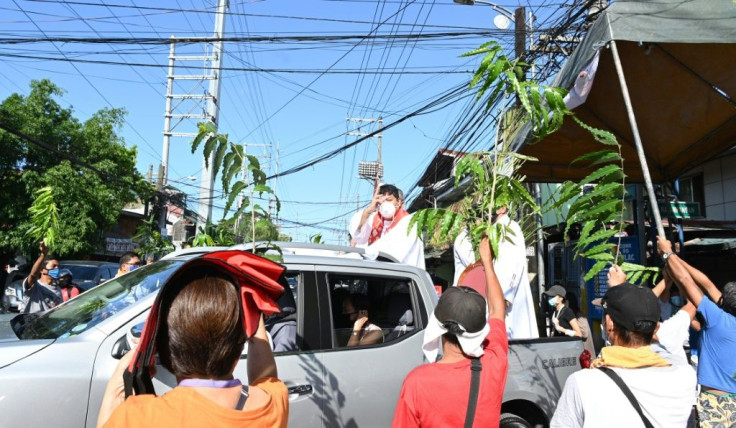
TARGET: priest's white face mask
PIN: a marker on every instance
(388, 210)
(389, 206)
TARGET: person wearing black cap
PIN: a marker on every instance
(563, 318)
(467, 383)
(630, 385)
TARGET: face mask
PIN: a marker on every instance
(676, 301)
(133, 267)
(604, 335)
(552, 301)
(54, 273)
(65, 282)
(387, 210)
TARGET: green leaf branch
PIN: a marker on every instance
(495, 181)
(44, 217)
(229, 160)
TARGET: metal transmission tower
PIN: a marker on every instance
(183, 106)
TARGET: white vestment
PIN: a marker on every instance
(407, 248)
(511, 269)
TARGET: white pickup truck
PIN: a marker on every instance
(64, 357)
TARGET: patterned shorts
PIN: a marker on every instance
(716, 411)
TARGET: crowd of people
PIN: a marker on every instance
(48, 285)
(644, 373)
(643, 376)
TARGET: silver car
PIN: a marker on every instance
(54, 366)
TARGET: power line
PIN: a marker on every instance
(457, 92)
(248, 39)
(253, 69)
(87, 80)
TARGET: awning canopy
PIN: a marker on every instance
(679, 60)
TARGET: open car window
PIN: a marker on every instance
(92, 307)
(386, 301)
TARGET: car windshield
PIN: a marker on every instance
(81, 272)
(90, 308)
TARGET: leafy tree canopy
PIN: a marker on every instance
(87, 201)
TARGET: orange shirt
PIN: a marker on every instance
(184, 407)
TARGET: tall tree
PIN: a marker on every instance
(89, 200)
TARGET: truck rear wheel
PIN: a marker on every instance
(510, 420)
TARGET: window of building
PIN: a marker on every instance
(693, 190)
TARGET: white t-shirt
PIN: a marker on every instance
(511, 269)
(672, 335)
(591, 399)
(404, 245)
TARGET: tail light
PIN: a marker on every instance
(585, 359)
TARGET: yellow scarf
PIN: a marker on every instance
(630, 358)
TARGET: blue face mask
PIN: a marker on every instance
(552, 301)
(676, 301)
(133, 267)
(54, 273)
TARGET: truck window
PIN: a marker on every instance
(283, 326)
(386, 301)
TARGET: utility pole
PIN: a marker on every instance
(265, 164)
(207, 185)
(163, 210)
(369, 170)
(272, 199)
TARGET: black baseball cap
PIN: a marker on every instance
(627, 304)
(556, 290)
(463, 306)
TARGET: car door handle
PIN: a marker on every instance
(300, 389)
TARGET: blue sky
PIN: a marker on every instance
(260, 107)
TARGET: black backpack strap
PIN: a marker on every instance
(627, 392)
(475, 368)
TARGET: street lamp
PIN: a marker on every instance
(501, 21)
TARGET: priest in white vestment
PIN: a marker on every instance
(383, 226)
(510, 265)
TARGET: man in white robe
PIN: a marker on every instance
(383, 226)
(510, 265)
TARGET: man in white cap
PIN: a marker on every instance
(467, 383)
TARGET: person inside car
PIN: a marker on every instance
(364, 332)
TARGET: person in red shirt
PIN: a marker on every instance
(469, 330)
(66, 285)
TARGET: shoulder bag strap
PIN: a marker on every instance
(627, 392)
(244, 393)
(475, 368)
